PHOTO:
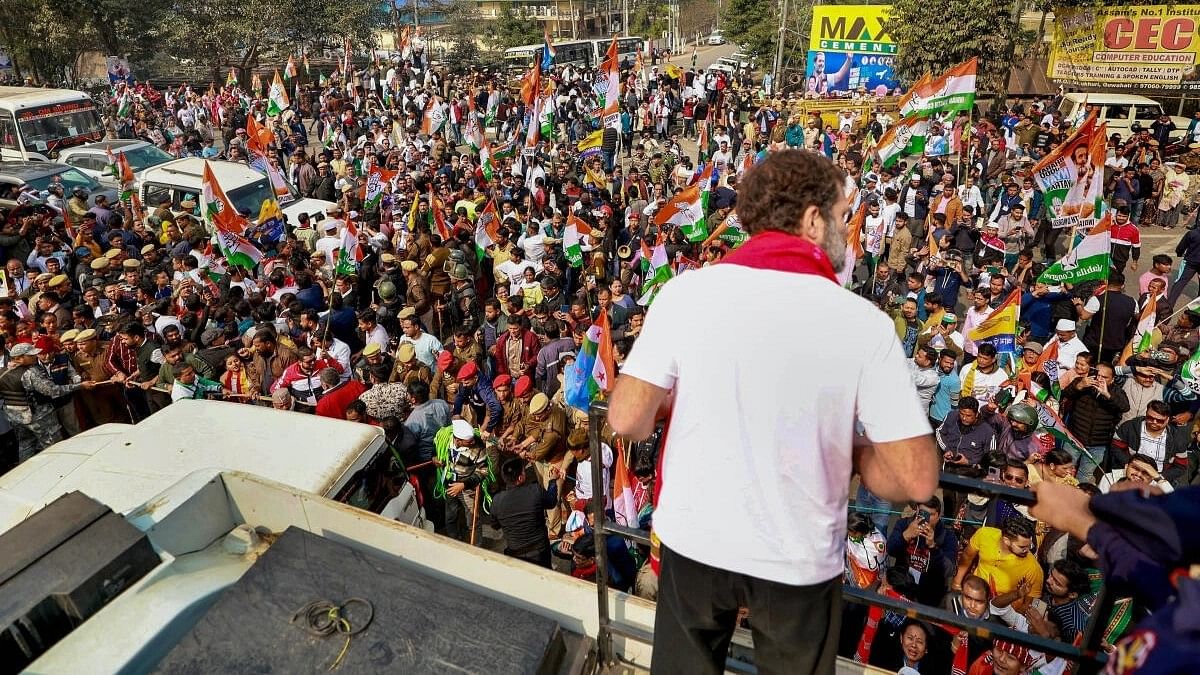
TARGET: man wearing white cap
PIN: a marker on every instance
(330, 241)
(1069, 344)
(462, 463)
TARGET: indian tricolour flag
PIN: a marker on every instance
(277, 98)
(350, 254)
(1086, 261)
(573, 235)
(904, 138)
(487, 227)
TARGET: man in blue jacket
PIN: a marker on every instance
(928, 550)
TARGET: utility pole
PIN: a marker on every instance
(779, 48)
(624, 17)
(416, 18)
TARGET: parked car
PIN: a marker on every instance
(92, 158)
(16, 177)
(716, 38)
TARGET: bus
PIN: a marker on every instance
(576, 53)
(36, 123)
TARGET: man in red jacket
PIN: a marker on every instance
(338, 395)
(517, 349)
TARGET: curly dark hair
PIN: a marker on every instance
(774, 194)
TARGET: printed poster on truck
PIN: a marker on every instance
(1133, 47)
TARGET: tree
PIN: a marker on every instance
(932, 35)
(753, 24)
(242, 32)
(462, 29)
(511, 30)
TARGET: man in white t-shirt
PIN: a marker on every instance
(764, 438)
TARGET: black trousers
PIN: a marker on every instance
(795, 627)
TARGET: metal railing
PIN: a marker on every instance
(1089, 655)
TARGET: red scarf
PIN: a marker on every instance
(959, 665)
(862, 653)
(782, 252)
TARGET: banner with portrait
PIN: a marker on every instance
(1072, 177)
(849, 49)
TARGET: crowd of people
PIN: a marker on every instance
(112, 311)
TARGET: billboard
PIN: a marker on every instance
(848, 48)
(1134, 47)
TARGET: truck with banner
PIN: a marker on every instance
(1132, 47)
(849, 49)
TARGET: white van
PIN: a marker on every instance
(246, 188)
(35, 123)
(123, 465)
(1119, 111)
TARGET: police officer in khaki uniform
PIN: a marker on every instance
(105, 404)
(408, 368)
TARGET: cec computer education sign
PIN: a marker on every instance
(1134, 47)
(848, 48)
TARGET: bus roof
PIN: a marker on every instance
(123, 465)
(17, 98)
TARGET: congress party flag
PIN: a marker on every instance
(277, 98)
(952, 91)
(227, 224)
(686, 210)
(904, 138)
(487, 228)
(573, 235)
(1143, 333)
(1086, 261)
(656, 271)
(350, 254)
(917, 95)
(611, 115)
(377, 179)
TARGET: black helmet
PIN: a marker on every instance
(1025, 414)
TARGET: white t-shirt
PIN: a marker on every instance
(583, 475)
(757, 465)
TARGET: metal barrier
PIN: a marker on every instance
(1089, 656)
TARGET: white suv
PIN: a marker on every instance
(246, 188)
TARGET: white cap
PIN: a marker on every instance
(463, 430)
(1065, 325)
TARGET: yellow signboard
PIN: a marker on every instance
(849, 49)
(1133, 47)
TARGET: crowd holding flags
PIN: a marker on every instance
(928, 98)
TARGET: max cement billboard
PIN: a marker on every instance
(848, 48)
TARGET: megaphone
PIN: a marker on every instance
(624, 252)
